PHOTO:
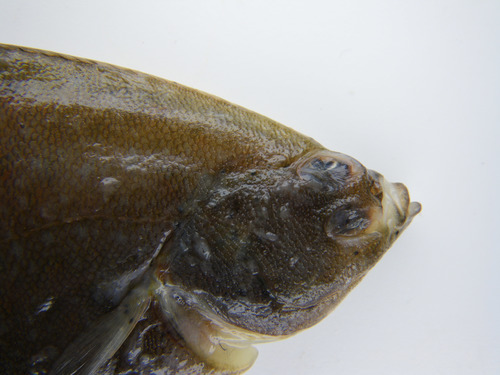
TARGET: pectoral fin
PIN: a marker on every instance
(220, 344)
(216, 347)
(99, 343)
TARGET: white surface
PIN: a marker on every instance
(410, 88)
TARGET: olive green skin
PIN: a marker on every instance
(105, 169)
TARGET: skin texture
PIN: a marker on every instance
(132, 201)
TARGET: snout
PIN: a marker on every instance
(397, 209)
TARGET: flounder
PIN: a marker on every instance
(146, 226)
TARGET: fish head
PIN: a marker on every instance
(340, 220)
(271, 251)
(361, 213)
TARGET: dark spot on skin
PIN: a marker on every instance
(356, 252)
(130, 321)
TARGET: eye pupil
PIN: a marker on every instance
(318, 164)
(329, 172)
(331, 164)
(346, 221)
(324, 166)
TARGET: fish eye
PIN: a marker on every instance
(346, 222)
(324, 170)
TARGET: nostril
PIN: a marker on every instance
(376, 190)
(375, 175)
(376, 187)
(379, 194)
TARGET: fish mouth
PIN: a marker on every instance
(397, 209)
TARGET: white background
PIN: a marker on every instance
(409, 88)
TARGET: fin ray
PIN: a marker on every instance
(91, 350)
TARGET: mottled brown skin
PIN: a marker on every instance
(102, 168)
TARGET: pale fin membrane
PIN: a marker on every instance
(218, 343)
(98, 344)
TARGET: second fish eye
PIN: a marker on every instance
(346, 221)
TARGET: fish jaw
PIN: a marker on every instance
(397, 211)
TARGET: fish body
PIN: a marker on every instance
(148, 226)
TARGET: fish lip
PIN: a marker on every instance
(406, 209)
(397, 209)
(413, 210)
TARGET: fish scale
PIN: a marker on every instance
(146, 226)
